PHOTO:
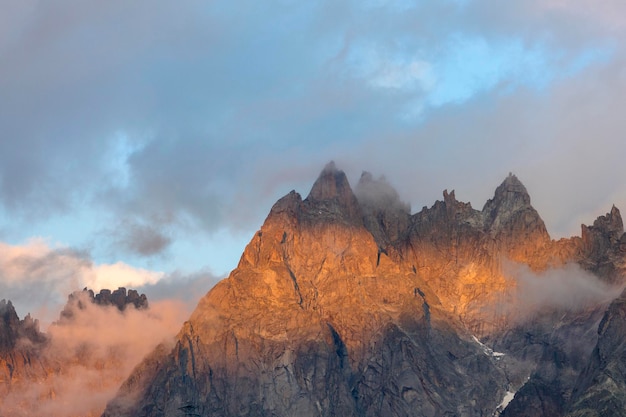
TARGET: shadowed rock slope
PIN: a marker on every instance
(601, 387)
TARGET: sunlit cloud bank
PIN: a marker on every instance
(38, 277)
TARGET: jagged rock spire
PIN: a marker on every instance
(510, 196)
(331, 198)
(611, 222)
(331, 183)
(604, 245)
(9, 322)
(509, 201)
(509, 217)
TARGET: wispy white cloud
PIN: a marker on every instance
(38, 277)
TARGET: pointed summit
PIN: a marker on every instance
(331, 183)
(512, 191)
(513, 222)
(510, 197)
(331, 197)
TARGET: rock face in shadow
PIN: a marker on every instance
(601, 387)
(345, 304)
(559, 345)
(551, 351)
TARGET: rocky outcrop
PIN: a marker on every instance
(545, 357)
(118, 298)
(515, 226)
(604, 247)
(318, 320)
(12, 329)
(21, 346)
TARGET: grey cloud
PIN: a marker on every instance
(142, 239)
(227, 113)
(569, 288)
(38, 277)
(187, 289)
(37, 281)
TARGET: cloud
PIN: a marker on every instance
(141, 239)
(119, 275)
(569, 288)
(194, 118)
(38, 277)
(187, 289)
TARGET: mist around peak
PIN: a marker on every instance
(568, 288)
(89, 352)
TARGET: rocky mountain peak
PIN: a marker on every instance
(345, 304)
(509, 217)
(120, 298)
(7, 313)
(330, 184)
(510, 197)
(331, 198)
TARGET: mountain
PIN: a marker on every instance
(346, 304)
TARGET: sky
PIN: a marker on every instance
(143, 143)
